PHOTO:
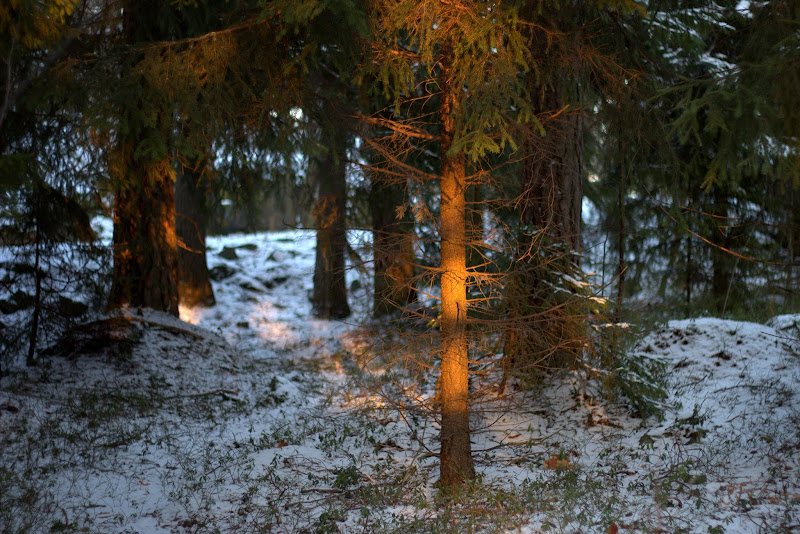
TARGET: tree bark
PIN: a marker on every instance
(37, 301)
(552, 172)
(551, 197)
(621, 193)
(792, 239)
(720, 259)
(456, 464)
(330, 290)
(145, 248)
(393, 250)
(474, 227)
(191, 220)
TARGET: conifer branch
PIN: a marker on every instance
(210, 35)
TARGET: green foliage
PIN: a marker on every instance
(49, 239)
(32, 23)
(638, 378)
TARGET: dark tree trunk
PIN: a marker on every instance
(330, 289)
(621, 193)
(539, 333)
(689, 269)
(393, 249)
(792, 243)
(191, 219)
(552, 172)
(721, 259)
(37, 302)
(456, 464)
(474, 227)
(145, 251)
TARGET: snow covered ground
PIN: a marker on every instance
(253, 417)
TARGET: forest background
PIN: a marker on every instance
(532, 175)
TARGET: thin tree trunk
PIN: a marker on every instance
(191, 219)
(688, 269)
(474, 226)
(622, 230)
(456, 464)
(793, 238)
(393, 249)
(37, 302)
(330, 290)
(721, 260)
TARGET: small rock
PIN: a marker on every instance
(272, 282)
(355, 285)
(228, 253)
(249, 286)
(221, 272)
(248, 246)
(7, 307)
(71, 308)
(10, 408)
(278, 256)
(19, 301)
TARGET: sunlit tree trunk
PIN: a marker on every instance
(393, 249)
(191, 189)
(456, 453)
(145, 272)
(330, 290)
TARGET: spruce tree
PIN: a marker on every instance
(449, 59)
(145, 245)
(52, 271)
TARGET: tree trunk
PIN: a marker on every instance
(792, 241)
(721, 260)
(37, 302)
(474, 227)
(145, 247)
(456, 453)
(145, 270)
(551, 197)
(330, 289)
(552, 172)
(621, 193)
(689, 269)
(393, 249)
(191, 219)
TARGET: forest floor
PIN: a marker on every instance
(251, 417)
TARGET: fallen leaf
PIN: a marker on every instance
(554, 462)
